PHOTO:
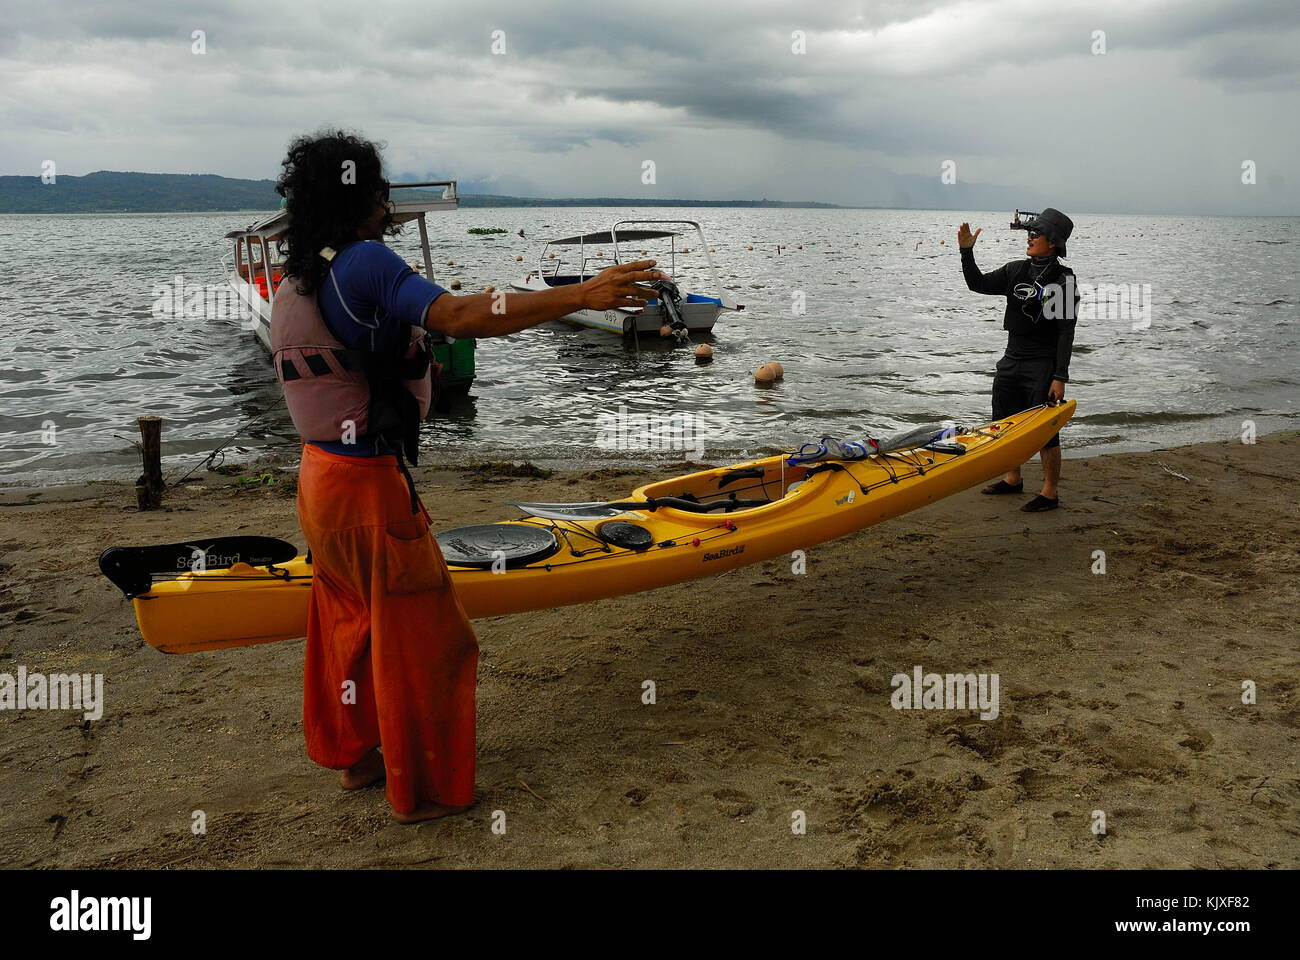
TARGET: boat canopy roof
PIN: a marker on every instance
(403, 210)
(606, 236)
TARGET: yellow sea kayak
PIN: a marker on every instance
(685, 528)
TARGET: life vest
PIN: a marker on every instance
(339, 395)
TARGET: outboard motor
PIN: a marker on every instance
(671, 298)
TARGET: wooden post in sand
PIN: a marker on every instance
(149, 488)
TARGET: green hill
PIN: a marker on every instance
(108, 191)
(111, 192)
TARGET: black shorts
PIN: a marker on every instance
(1021, 384)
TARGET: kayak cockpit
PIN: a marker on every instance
(759, 485)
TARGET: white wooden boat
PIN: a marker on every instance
(699, 311)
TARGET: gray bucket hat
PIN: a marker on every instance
(1055, 226)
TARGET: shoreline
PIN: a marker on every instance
(284, 456)
(1120, 692)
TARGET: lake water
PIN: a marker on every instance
(888, 337)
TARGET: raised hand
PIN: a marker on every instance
(966, 239)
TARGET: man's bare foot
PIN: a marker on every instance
(369, 769)
(429, 811)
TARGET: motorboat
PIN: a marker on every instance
(681, 310)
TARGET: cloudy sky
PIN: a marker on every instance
(576, 95)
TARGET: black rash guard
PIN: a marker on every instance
(1031, 335)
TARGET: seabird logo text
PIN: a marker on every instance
(729, 552)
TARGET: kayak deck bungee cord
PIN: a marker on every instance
(250, 590)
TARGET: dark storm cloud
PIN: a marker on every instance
(1010, 90)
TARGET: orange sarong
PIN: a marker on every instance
(384, 615)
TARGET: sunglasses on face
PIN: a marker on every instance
(1034, 234)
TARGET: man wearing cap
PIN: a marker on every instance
(1042, 303)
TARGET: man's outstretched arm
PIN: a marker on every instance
(497, 314)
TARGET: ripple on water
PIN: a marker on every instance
(890, 337)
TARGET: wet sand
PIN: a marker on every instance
(1120, 692)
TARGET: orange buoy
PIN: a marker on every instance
(703, 352)
(665, 331)
(455, 284)
(768, 373)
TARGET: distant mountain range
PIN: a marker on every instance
(107, 191)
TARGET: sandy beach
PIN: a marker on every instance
(1121, 692)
